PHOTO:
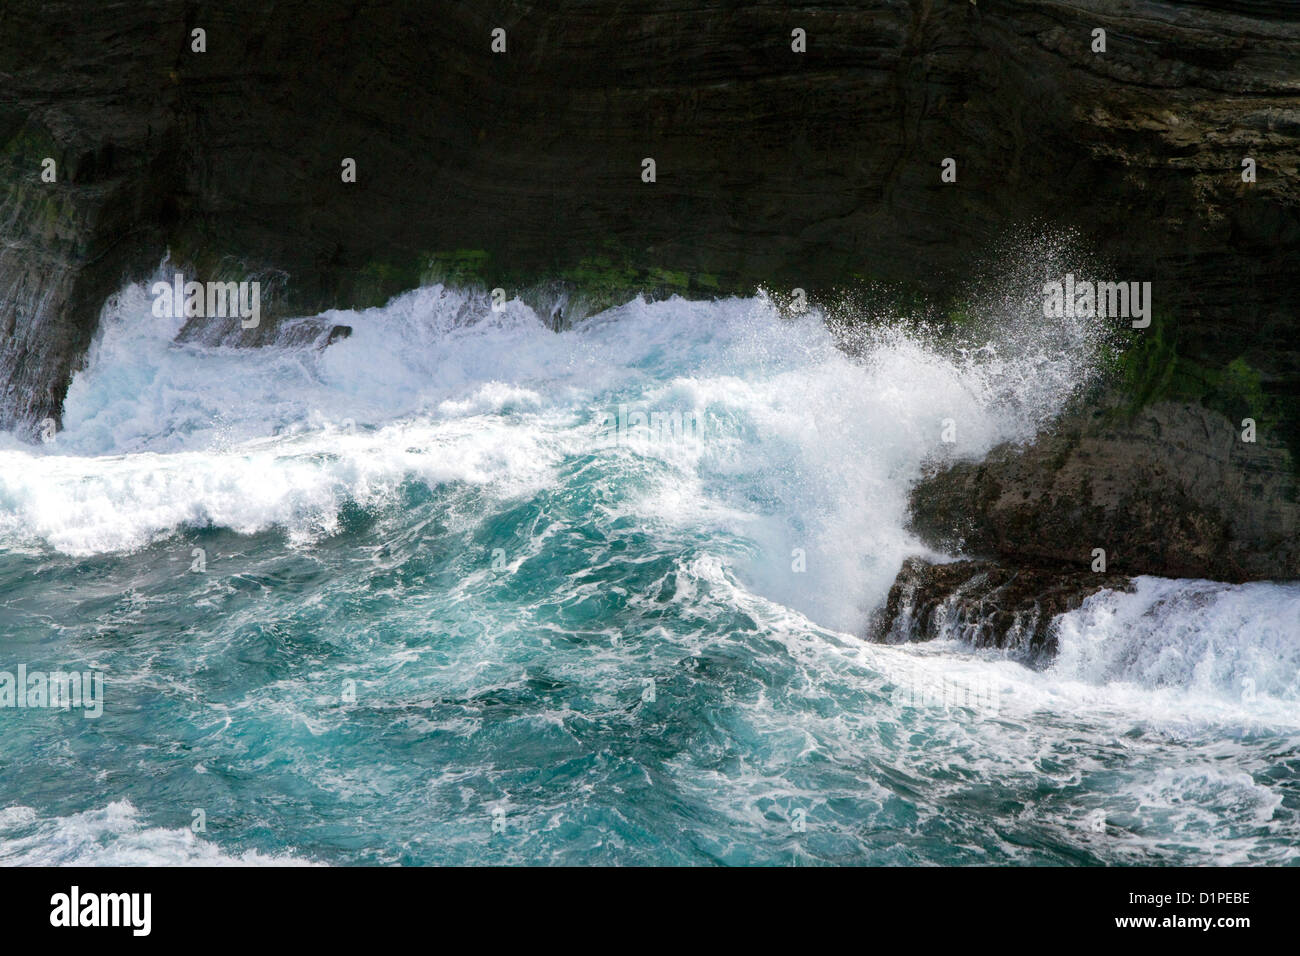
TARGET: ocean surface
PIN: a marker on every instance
(459, 589)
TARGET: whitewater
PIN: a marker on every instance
(461, 589)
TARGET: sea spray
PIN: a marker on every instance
(441, 619)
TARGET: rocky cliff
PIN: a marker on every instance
(775, 166)
(814, 168)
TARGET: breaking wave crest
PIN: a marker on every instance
(360, 601)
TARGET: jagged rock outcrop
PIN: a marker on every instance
(773, 166)
(1172, 491)
(985, 604)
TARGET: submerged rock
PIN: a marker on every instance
(985, 604)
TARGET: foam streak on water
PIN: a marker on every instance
(628, 644)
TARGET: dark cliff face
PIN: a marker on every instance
(800, 169)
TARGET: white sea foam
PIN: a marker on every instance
(804, 449)
(805, 458)
(1235, 644)
(113, 836)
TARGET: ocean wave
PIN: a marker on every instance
(802, 448)
(113, 835)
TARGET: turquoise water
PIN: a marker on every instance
(439, 594)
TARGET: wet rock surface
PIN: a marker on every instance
(1173, 491)
(985, 604)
